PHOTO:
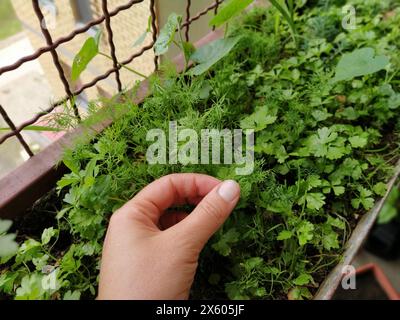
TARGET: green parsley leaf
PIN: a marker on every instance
(303, 279)
(305, 232)
(284, 235)
(380, 189)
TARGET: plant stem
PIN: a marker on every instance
(177, 44)
(183, 49)
(124, 66)
(226, 29)
(378, 150)
(288, 17)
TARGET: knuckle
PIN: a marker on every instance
(127, 212)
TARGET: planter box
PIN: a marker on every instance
(22, 187)
(359, 235)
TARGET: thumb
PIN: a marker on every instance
(210, 213)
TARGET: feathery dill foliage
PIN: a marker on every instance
(323, 153)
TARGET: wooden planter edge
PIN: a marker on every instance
(357, 238)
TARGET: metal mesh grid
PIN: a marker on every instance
(52, 45)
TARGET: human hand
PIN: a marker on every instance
(152, 254)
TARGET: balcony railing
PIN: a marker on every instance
(52, 45)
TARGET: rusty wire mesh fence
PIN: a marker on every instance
(52, 45)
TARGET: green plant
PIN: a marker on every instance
(390, 210)
(286, 9)
(89, 50)
(360, 62)
(324, 150)
(228, 11)
(35, 128)
(205, 57)
(8, 246)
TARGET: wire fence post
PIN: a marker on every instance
(20, 138)
(56, 60)
(154, 29)
(217, 3)
(189, 2)
(111, 44)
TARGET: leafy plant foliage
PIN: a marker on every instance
(228, 11)
(360, 62)
(89, 50)
(323, 152)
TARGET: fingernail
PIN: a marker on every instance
(229, 190)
